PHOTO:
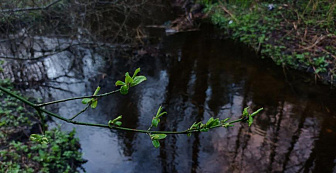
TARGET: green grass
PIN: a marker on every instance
(293, 36)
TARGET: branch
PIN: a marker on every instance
(80, 112)
(30, 59)
(130, 129)
(58, 50)
(30, 8)
(39, 109)
(75, 98)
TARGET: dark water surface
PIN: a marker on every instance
(193, 78)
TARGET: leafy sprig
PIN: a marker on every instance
(115, 122)
(92, 101)
(249, 117)
(130, 81)
(156, 118)
(155, 122)
(39, 138)
(155, 136)
(155, 139)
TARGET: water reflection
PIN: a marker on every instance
(201, 77)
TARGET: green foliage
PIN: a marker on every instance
(60, 154)
(130, 81)
(156, 143)
(155, 136)
(155, 122)
(39, 138)
(54, 151)
(249, 117)
(214, 123)
(155, 139)
(115, 121)
(92, 101)
(12, 112)
(156, 118)
(274, 33)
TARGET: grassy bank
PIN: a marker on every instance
(295, 34)
(19, 154)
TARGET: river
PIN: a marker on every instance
(194, 76)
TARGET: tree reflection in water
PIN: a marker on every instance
(201, 77)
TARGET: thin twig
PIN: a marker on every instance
(316, 42)
(80, 112)
(76, 98)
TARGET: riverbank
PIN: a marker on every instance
(301, 36)
(19, 154)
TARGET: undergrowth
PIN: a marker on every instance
(300, 35)
(19, 154)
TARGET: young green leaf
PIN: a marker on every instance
(86, 100)
(118, 83)
(225, 120)
(124, 90)
(35, 137)
(196, 126)
(209, 121)
(110, 123)
(39, 138)
(97, 90)
(256, 112)
(158, 136)
(118, 123)
(245, 112)
(118, 118)
(136, 72)
(214, 123)
(94, 103)
(204, 129)
(155, 121)
(250, 121)
(158, 112)
(226, 125)
(44, 140)
(128, 79)
(156, 143)
(193, 126)
(162, 114)
(115, 121)
(137, 80)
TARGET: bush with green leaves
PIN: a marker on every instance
(46, 151)
(55, 152)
